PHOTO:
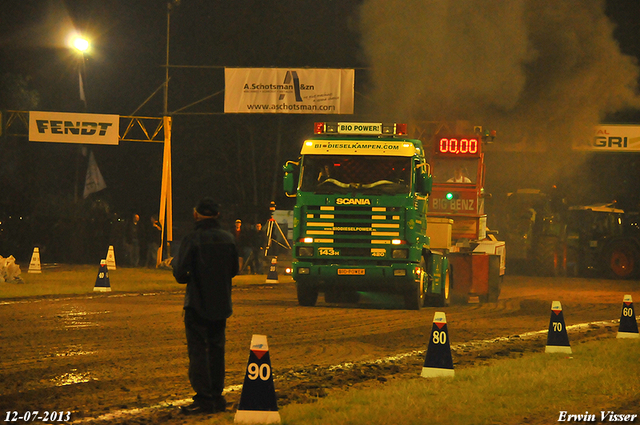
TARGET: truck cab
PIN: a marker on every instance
(362, 193)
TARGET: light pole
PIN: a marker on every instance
(81, 45)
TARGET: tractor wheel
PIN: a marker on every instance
(621, 260)
(550, 257)
(307, 295)
(573, 263)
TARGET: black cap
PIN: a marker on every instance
(207, 207)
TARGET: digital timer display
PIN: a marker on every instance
(458, 146)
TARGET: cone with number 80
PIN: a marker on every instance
(258, 402)
(438, 361)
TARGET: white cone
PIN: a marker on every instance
(111, 258)
(34, 266)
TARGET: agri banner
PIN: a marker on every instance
(62, 127)
(614, 138)
(289, 91)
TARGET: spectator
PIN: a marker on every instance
(206, 262)
(133, 236)
(154, 240)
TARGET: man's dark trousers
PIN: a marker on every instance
(205, 344)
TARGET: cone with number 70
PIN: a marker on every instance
(628, 324)
(557, 338)
(438, 362)
(258, 402)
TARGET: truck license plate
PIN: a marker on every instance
(350, 271)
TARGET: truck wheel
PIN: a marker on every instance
(443, 299)
(414, 298)
(307, 295)
(621, 260)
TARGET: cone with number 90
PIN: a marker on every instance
(258, 402)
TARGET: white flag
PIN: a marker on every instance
(94, 181)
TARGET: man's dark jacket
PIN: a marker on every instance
(206, 262)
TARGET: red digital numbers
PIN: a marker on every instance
(459, 146)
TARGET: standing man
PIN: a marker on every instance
(258, 242)
(154, 240)
(132, 240)
(206, 262)
(243, 244)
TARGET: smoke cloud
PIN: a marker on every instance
(539, 71)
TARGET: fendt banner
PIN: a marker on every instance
(62, 127)
(289, 91)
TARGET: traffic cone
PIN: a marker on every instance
(628, 324)
(438, 362)
(111, 258)
(34, 266)
(258, 402)
(272, 276)
(557, 338)
(102, 281)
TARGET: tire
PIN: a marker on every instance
(307, 295)
(550, 257)
(621, 260)
(414, 298)
(573, 265)
(494, 291)
(443, 299)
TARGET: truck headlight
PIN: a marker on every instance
(399, 253)
(305, 251)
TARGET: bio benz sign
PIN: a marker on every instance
(61, 127)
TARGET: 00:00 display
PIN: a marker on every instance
(462, 146)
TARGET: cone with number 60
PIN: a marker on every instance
(628, 324)
(438, 361)
(258, 402)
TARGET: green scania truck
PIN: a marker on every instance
(360, 221)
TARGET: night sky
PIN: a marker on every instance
(233, 157)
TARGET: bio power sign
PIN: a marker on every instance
(61, 127)
(289, 91)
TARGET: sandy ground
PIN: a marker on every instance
(103, 354)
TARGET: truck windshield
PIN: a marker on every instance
(454, 170)
(349, 173)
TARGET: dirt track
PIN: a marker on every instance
(97, 354)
